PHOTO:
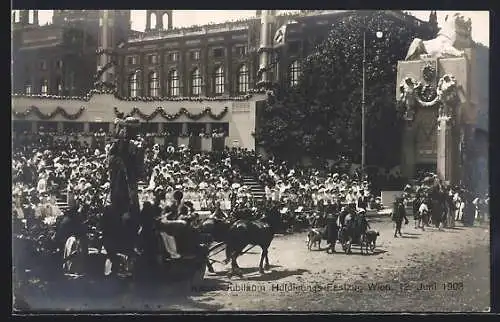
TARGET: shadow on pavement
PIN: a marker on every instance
(277, 275)
(408, 236)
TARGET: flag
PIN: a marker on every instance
(280, 36)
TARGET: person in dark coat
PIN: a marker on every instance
(398, 215)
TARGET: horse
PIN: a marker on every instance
(258, 232)
(217, 229)
(443, 44)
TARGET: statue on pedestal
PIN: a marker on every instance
(444, 44)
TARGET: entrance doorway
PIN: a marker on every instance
(422, 169)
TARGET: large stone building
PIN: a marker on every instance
(211, 60)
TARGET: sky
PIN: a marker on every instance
(184, 18)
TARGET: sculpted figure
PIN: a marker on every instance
(444, 44)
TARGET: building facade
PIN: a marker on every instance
(161, 69)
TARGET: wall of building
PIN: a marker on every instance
(101, 109)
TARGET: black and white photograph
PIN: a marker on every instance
(250, 160)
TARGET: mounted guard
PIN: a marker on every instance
(125, 162)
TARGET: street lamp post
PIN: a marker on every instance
(363, 125)
(379, 35)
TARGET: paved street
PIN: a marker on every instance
(452, 267)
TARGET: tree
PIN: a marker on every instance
(321, 116)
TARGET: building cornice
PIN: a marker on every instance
(93, 92)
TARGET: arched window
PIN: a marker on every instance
(196, 82)
(294, 73)
(133, 84)
(153, 20)
(154, 84)
(173, 79)
(243, 79)
(44, 87)
(164, 19)
(219, 80)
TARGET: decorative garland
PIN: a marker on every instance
(48, 116)
(88, 96)
(161, 111)
(445, 96)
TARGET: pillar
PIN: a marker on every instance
(35, 17)
(60, 127)
(184, 129)
(34, 127)
(448, 151)
(266, 43)
(160, 127)
(86, 127)
(408, 151)
(208, 128)
(111, 127)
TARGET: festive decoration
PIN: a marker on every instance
(414, 93)
(106, 90)
(170, 117)
(429, 72)
(59, 110)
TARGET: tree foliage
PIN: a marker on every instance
(321, 116)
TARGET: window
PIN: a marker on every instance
(152, 59)
(173, 78)
(173, 57)
(294, 73)
(133, 83)
(218, 52)
(43, 65)
(195, 55)
(28, 89)
(196, 82)
(241, 50)
(59, 87)
(44, 87)
(243, 79)
(219, 80)
(131, 60)
(154, 84)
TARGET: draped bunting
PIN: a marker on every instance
(160, 111)
(59, 110)
(89, 95)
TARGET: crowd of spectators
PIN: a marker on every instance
(303, 187)
(47, 167)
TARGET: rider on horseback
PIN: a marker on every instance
(126, 167)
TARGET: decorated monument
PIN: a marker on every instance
(437, 97)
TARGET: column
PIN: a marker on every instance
(60, 127)
(111, 127)
(86, 127)
(444, 149)
(160, 127)
(408, 152)
(34, 127)
(208, 127)
(184, 129)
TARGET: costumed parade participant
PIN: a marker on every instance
(121, 215)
